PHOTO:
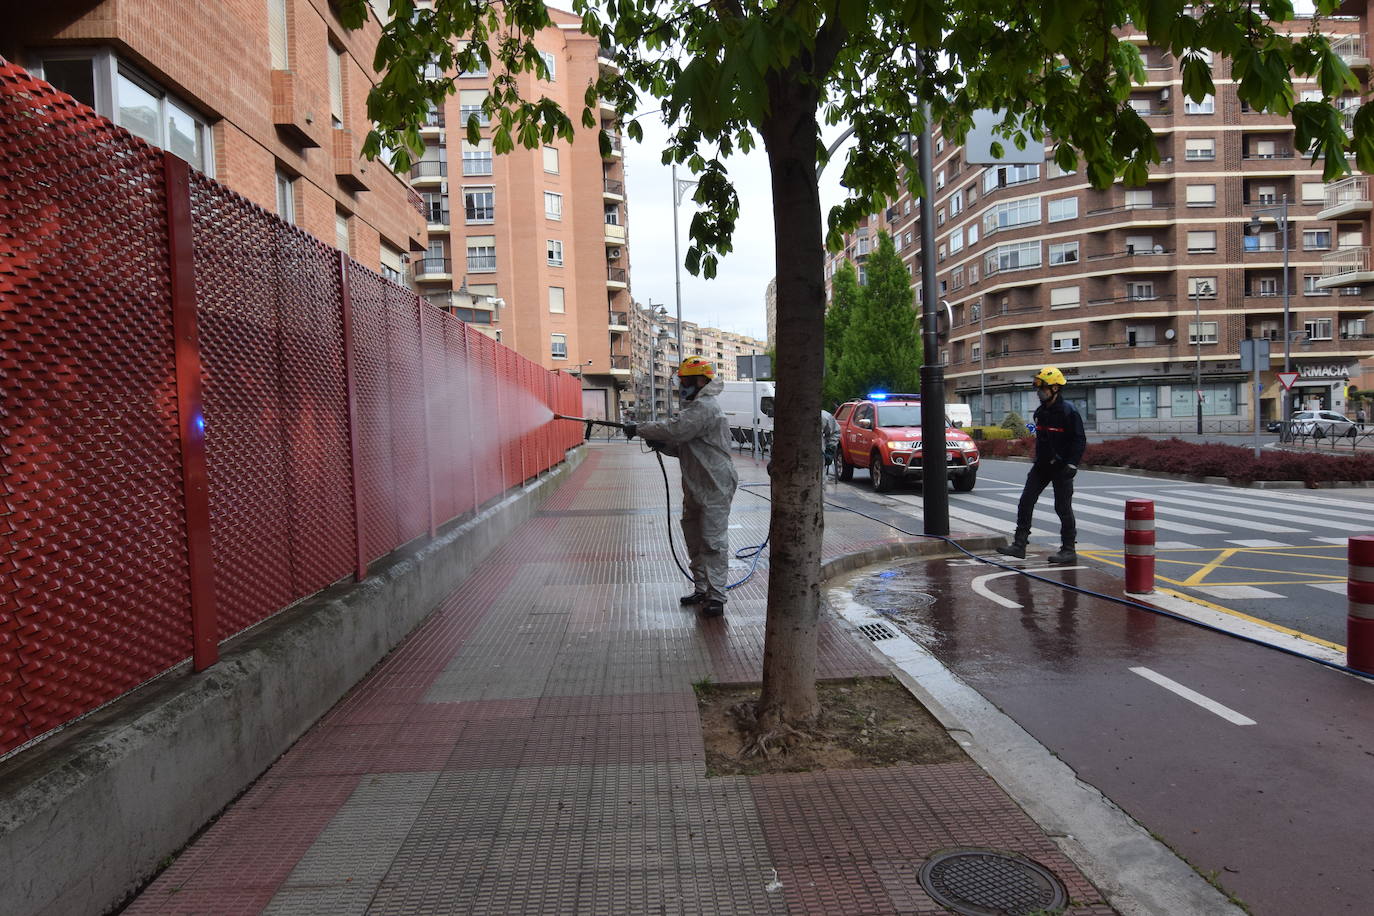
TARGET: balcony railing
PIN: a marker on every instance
(431, 266)
(1351, 49)
(430, 168)
(435, 215)
(613, 187)
(1349, 190)
(616, 274)
(481, 263)
(620, 362)
(620, 319)
(1144, 209)
(1276, 154)
(435, 118)
(1345, 261)
(1154, 252)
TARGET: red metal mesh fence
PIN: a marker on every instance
(95, 593)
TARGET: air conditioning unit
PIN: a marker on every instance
(613, 254)
(1164, 95)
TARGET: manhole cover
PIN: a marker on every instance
(983, 883)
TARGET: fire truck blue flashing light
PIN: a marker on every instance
(877, 396)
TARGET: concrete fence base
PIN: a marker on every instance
(88, 815)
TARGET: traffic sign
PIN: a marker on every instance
(1286, 379)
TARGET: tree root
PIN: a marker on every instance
(769, 736)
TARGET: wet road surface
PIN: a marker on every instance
(1252, 764)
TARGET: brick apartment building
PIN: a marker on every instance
(655, 357)
(1136, 292)
(532, 246)
(267, 97)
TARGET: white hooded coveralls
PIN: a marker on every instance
(699, 437)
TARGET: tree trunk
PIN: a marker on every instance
(789, 698)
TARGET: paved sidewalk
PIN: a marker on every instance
(535, 748)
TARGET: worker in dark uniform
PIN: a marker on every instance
(1059, 444)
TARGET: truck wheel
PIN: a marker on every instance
(965, 481)
(846, 469)
(880, 474)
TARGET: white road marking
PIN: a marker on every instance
(1164, 515)
(1046, 511)
(980, 587)
(1259, 543)
(1177, 545)
(1212, 706)
(1233, 592)
(1341, 541)
(1337, 587)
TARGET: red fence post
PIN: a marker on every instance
(1140, 546)
(1359, 590)
(190, 412)
(354, 448)
(424, 407)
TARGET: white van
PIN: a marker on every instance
(746, 402)
(960, 415)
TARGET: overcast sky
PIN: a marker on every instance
(734, 300)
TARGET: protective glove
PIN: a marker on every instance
(630, 430)
(1069, 471)
(829, 455)
(654, 444)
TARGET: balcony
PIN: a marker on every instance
(617, 278)
(615, 147)
(1345, 198)
(619, 321)
(433, 121)
(1352, 50)
(433, 270)
(615, 234)
(294, 113)
(620, 365)
(349, 168)
(1131, 253)
(436, 216)
(429, 171)
(612, 188)
(1346, 267)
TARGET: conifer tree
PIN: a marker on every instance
(881, 350)
(844, 299)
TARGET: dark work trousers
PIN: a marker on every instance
(1036, 481)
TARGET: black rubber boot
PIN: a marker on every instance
(1014, 549)
(1065, 556)
(693, 598)
(713, 608)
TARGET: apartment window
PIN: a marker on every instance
(470, 103)
(477, 158)
(559, 346)
(342, 231)
(1207, 105)
(392, 264)
(556, 302)
(1313, 192)
(1012, 257)
(1140, 335)
(1202, 195)
(1064, 297)
(1064, 342)
(1052, 170)
(479, 205)
(956, 241)
(907, 241)
(956, 203)
(1201, 148)
(975, 352)
(1202, 241)
(551, 159)
(555, 253)
(1207, 335)
(1316, 239)
(956, 278)
(550, 64)
(435, 207)
(479, 66)
(906, 210)
(553, 205)
(1353, 327)
(972, 274)
(277, 35)
(939, 179)
(1318, 328)
(481, 253)
(286, 196)
(336, 103)
(1139, 106)
(1008, 175)
(612, 214)
(1140, 289)
(1064, 252)
(940, 217)
(1309, 285)
(1136, 403)
(1266, 287)
(1202, 287)
(1013, 213)
(1062, 209)
(1140, 198)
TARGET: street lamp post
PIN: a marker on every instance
(1280, 215)
(1200, 288)
(679, 188)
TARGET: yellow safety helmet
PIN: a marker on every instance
(695, 365)
(1050, 376)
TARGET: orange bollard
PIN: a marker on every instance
(1140, 546)
(1359, 590)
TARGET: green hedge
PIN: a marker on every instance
(987, 432)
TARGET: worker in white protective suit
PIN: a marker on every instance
(699, 438)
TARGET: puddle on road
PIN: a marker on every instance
(904, 596)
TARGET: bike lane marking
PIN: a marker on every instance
(979, 584)
(1192, 696)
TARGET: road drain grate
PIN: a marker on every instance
(981, 882)
(876, 631)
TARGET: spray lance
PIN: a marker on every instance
(590, 423)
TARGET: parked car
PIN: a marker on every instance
(883, 434)
(1322, 423)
